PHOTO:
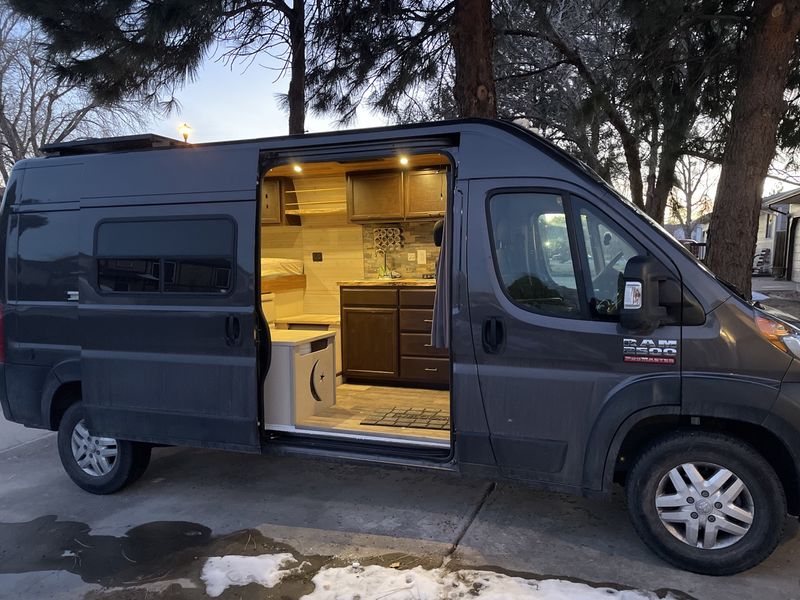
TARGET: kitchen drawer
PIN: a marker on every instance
(430, 370)
(417, 298)
(369, 297)
(416, 320)
(419, 344)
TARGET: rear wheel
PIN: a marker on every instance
(706, 502)
(100, 465)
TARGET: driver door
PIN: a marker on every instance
(544, 266)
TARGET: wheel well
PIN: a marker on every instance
(66, 395)
(762, 439)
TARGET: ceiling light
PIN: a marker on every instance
(298, 169)
(404, 160)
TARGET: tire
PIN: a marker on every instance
(751, 492)
(107, 465)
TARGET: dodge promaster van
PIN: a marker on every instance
(458, 296)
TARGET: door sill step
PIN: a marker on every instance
(360, 437)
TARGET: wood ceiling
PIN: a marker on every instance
(332, 169)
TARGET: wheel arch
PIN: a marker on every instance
(61, 389)
(644, 428)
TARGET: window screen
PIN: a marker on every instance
(194, 256)
(533, 253)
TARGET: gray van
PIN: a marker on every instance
(574, 345)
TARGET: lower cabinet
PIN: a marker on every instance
(369, 342)
(386, 335)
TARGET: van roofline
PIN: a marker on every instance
(151, 141)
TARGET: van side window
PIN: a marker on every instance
(532, 252)
(607, 252)
(47, 255)
(128, 275)
(194, 256)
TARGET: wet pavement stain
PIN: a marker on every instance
(163, 560)
(143, 553)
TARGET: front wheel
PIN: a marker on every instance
(100, 465)
(706, 502)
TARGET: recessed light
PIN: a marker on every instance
(298, 169)
(404, 160)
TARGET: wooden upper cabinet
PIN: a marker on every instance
(271, 200)
(425, 192)
(375, 196)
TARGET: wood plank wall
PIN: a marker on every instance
(339, 241)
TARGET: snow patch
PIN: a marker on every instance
(220, 572)
(374, 582)
(382, 583)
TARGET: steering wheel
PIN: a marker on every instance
(600, 282)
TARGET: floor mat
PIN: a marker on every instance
(417, 418)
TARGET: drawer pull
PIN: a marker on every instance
(428, 346)
(430, 370)
(427, 321)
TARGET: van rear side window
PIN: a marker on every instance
(47, 255)
(194, 256)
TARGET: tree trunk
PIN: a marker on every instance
(472, 38)
(297, 82)
(657, 207)
(757, 111)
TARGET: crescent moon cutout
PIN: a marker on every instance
(311, 383)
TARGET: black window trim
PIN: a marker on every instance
(583, 312)
(215, 217)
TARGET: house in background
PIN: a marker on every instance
(777, 245)
(693, 238)
(698, 232)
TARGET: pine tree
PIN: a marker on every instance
(397, 56)
(117, 48)
(768, 54)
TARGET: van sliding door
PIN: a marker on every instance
(167, 314)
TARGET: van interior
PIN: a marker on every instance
(349, 252)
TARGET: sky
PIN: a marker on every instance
(228, 103)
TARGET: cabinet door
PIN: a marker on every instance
(425, 193)
(271, 193)
(370, 342)
(375, 196)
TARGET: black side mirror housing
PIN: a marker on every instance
(641, 307)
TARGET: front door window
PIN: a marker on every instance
(558, 255)
(533, 252)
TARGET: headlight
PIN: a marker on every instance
(783, 336)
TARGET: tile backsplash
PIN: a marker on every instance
(416, 235)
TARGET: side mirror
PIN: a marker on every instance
(641, 307)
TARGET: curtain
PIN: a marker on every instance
(440, 330)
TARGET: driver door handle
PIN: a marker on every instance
(494, 335)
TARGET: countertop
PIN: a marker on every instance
(309, 319)
(296, 337)
(389, 283)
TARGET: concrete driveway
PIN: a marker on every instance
(151, 540)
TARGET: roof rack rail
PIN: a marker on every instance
(110, 144)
